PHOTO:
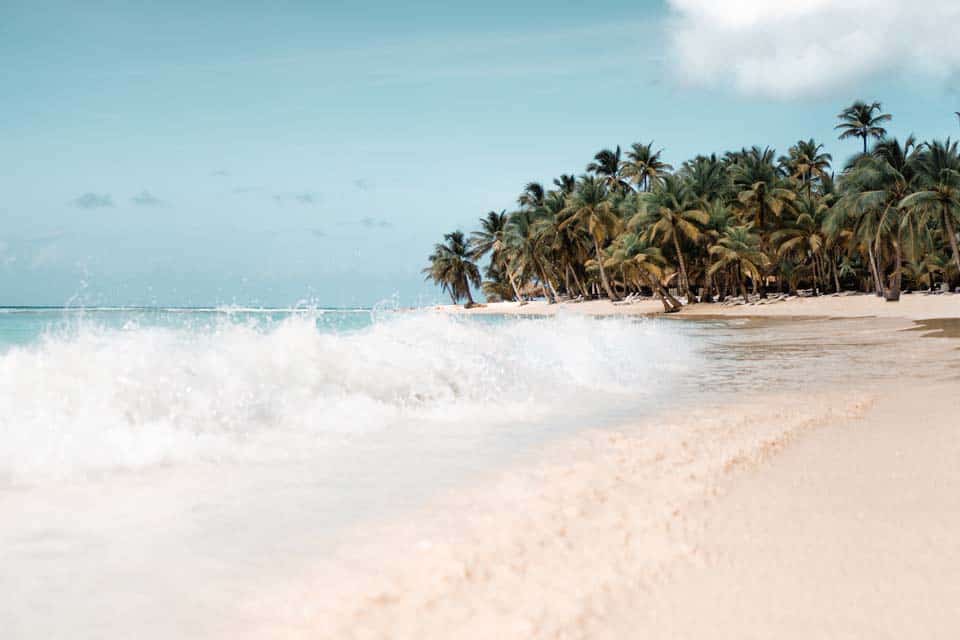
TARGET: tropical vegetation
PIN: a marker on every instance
(747, 223)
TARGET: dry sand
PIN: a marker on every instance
(822, 515)
(915, 306)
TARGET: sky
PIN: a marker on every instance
(281, 153)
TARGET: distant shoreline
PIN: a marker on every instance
(917, 306)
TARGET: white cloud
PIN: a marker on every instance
(808, 47)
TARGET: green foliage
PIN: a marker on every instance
(723, 225)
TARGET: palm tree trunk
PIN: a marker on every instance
(893, 292)
(836, 276)
(743, 284)
(670, 304)
(813, 265)
(948, 225)
(877, 283)
(466, 286)
(683, 269)
(583, 289)
(516, 290)
(603, 272)
(543, 281)
(708, 286)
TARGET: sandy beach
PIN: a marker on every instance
(826, 513)
(912, 307)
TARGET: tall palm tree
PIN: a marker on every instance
(606, 165)
(876, 185)
(452, 268)
(590, 208)
(491, 239)
(858, 121)
(938, 178)
(644, 165)
(674, 215)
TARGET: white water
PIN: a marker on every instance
(158, 481)
(95, 399)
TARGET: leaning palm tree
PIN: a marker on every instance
(672, 215)
(452, 268)
(491, 239)
(858, 121)
(644, 165)
(642, 263)
(875, 186)
(938, 178)
(590, 208)
(528, 252)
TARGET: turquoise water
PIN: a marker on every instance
(25, 325)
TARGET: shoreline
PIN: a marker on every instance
(916, 306)
(788, 515)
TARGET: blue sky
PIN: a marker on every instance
(269, 153)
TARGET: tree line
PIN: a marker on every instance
(744, 223)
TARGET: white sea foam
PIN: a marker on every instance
(96, 399)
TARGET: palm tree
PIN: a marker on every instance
(708, 177)
(528, 256)
(569, 246)
(642, 262)
(644, 165)
(807, 163)
(876, 186)
(606, 165)
(738, 250)
(532, 196)
(938, 177)
(452, 268)
(803, 238)
(672, 214)
(762, 193)
(858, 121)
(760, 189)
(491, 238)
(566, 183)
(590, 208)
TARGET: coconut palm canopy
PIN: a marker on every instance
(741, 224)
